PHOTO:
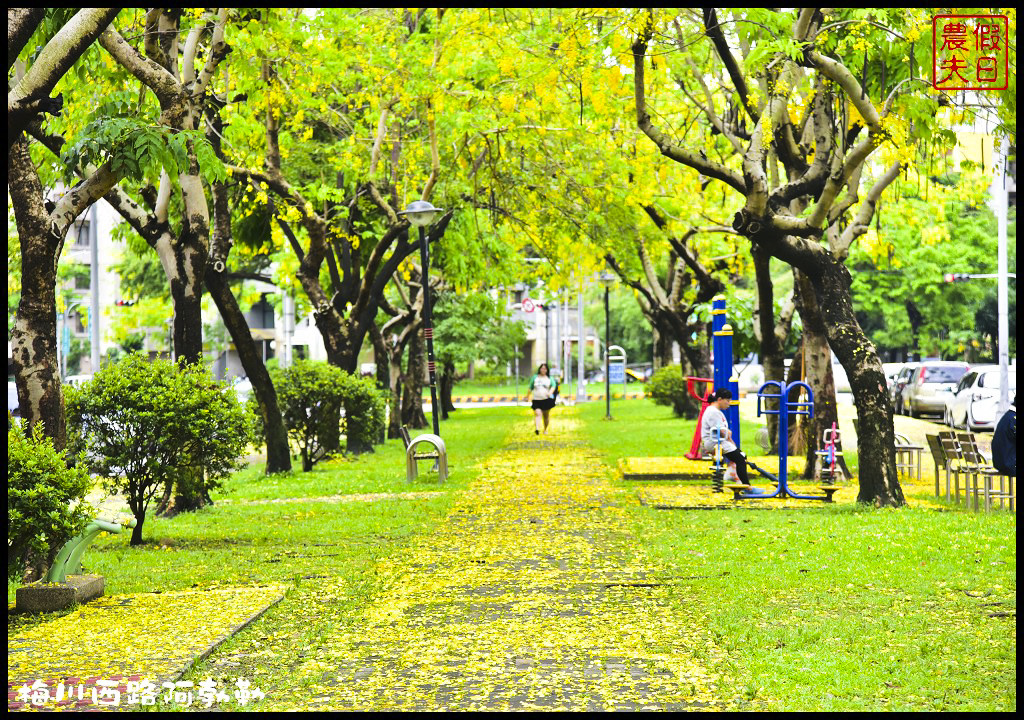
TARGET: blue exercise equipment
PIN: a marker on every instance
(718, 471)
(785, 408)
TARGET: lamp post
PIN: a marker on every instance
(421, 214)
(607, 280)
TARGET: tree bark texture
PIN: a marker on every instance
(818, 371)
(41, 234)
(413, 415)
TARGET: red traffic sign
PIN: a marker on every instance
(527, 305)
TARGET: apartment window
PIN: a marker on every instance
(82, 238)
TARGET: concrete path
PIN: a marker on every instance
(533, 594)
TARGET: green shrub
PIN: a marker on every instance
(145, 424)
(667, 386)
(364, 413)
(311, 395)
(45, 505)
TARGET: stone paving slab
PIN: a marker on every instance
(124, 639)
(533, 594)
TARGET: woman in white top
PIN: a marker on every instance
(714, 417)
(544, 389)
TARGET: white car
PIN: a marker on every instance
(975, 401)
(891, 370)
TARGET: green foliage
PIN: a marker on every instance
(898, 288)
(310, 395)
(45, 496)
(137, 150)
(144, 424)
(668, 387)
(474, 326)
(629, 328)
(364, 413)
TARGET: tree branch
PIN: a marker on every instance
(151, 74)
(667, 148)
(714, 31)
(862, 220)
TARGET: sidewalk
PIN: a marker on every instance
(533, 594)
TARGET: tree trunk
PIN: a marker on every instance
(446, 383)
(876, 440)
(278, 452)
(771, 333)
(276, 434)
(140, 520)
(818, 371)
(412, 398)
(34, 339)
(662, 348)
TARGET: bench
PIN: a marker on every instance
(412, 457)
(908, 457)
(976, 465)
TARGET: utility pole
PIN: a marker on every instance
(1000, 201)
(581, 344)
(94, 289)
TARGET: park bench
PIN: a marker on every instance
(939, 458)
(977, 466)
(908, 457)
(412, 456)
(954, 462)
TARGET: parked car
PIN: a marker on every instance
(898, 385)
(975, 401)
(929, 386)
(891, 370)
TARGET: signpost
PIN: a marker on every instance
(616, 368)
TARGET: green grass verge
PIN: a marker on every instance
(835, 608)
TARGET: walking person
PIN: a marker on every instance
(714, 417)
(544, 389)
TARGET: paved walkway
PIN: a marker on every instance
(532, 594)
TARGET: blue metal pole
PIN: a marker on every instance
(733, 413)
(717, 323)
(783, 439)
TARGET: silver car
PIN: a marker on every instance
(899, 384)
(975, 401)
(929, 386)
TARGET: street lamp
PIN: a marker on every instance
(607, 280)
(421, 214)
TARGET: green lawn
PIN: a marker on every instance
(834, 608)
(823, 608)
